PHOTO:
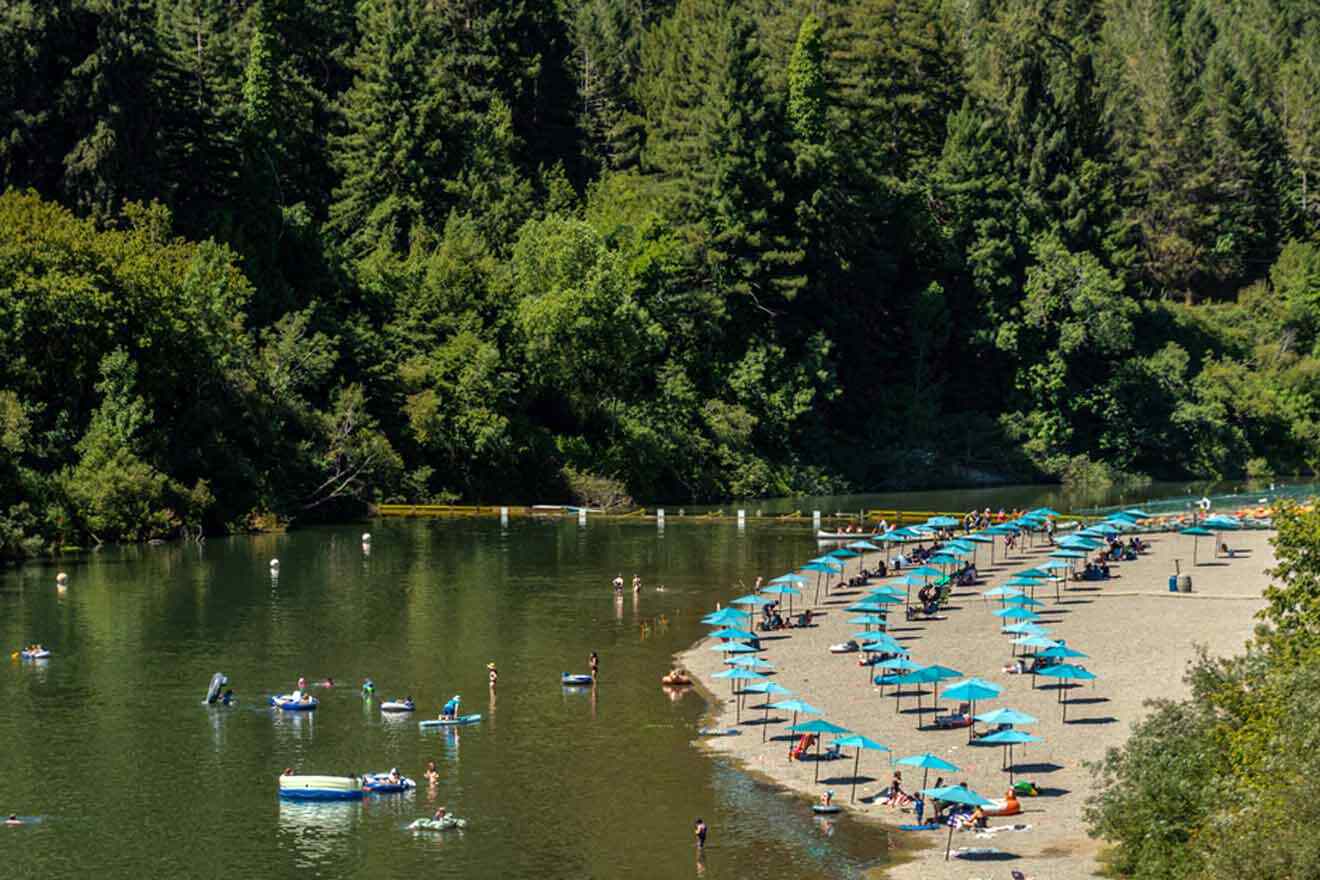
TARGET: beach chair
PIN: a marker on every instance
(961, 718)
(803, 747)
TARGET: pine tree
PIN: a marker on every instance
(396, 149)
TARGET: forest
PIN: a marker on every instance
(263, 261)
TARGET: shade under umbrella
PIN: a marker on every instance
(769, 688)
(927, 762)
(1066, 672)
(859, 742)
(1008, 739)
(817, 726)
(955, 794)
(972, 690)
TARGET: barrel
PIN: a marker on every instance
(1184, 583)
(1173, 583)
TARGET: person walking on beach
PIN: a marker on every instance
(700, 831)
(594, 663)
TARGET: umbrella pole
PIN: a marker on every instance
(925, 775)
(972, 727)
(918, 707)
(857, 760)
(948, 846)
(765, 721)
(790, 738)
(816, 777)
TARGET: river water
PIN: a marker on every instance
(121, 770)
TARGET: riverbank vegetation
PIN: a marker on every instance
(1222, 785)
(261, 260)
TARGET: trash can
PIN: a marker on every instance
(1184, 583)
(1173, 583)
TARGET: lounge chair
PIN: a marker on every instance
(961, 718)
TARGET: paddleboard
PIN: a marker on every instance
(450, 722)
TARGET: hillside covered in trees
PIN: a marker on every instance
(263, 259)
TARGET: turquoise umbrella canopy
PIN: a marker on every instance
(859, 743)
(731, 632)
(998, 592)
(789, 579)
(1006, 716)
(750, 663)
(1067, 554)
(723, 617)
(817, 726)
(927, 762)
(733, 648)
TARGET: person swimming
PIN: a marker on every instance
(368, 687)
(13, 820)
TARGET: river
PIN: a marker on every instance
(121, 770)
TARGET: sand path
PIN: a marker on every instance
(1139, 638)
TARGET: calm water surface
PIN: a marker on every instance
(131, 776)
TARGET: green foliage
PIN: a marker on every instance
(1250, 729)
(695, 248)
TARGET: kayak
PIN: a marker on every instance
(450, 722)
(290, 703)
(568, 678)
(444, 824)
(379, 783)
(398, 706)
(320, 788)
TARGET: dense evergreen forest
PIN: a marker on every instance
(261, 260)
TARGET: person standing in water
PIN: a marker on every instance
(618, 584)
(492, 673)
(700, 831)
(593, 662)
(637, 585)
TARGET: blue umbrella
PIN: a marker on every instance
(783, 590)
(735, 674)
(795, 706)
(1033, 574)
(999, 592)
(1027, 629)
(723, 617)
(955, 794)
(1015, 613)
(942, 522)
(885, 590)
(1067, 554)
(769, 688)
(858, 742)
(733, 648)
(1008, 739)
(751, 599)
(1056, 565)
(925, 571)
(1066, 672)
(789, 579)
(1060, 651)
(750, 663)
(870, 620)
(927, 762)
(1135, 513)
(818, 726)
(731, 632)
(884, 643)
(919, 676)
(945, 559)
(1197, 533)
(1074, 542)
(978, 539)
(1006, 716)
(863, 546)
(971, 690)
(1023, 602)
(1035, 642)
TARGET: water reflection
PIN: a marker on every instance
(318, 833)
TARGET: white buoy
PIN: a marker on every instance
(62, 579)
(366, 537)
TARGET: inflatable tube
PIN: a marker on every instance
(567, 678)
(398, 706)
(320, 788)
(379, 783)
(450, 722)
(1003, 807)
(826, 808)
(290, 703)
(444, 824)
(675, 681)
(218, 682)
(42, 654)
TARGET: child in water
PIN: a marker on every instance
(700, 831)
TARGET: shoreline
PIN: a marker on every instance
(1140, 639)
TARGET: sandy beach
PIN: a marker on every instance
(1139, 638)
